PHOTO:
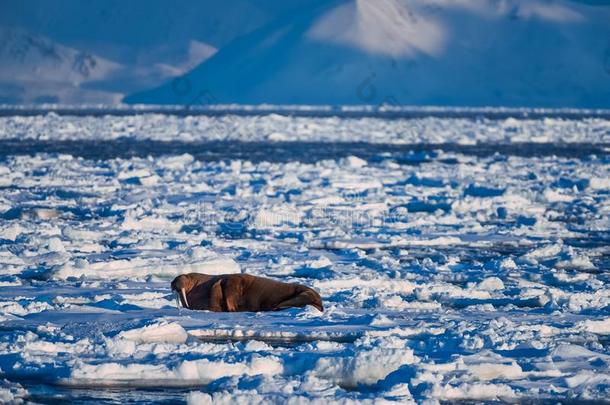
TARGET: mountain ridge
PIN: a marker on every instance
(509, 53)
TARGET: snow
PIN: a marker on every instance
(601, 327)
(382, 27)
(49, 71)
(457, 271)
(257, 128)
(480, 391)
(162, 332)
(207, 262)
(187, 373)
(491, 284)
(354, 52)
(11, 393)
(100, 53)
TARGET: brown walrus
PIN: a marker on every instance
(241, 292)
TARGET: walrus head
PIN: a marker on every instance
(181, 285)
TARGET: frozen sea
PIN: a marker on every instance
(461, 257)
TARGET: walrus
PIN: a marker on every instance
(241, 292)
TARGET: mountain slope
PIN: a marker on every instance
(146, 43)
(35, 68)
(467, 52)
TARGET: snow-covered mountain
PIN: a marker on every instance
(549, 53)
(124, 46)
(553, 53)
(34, 68)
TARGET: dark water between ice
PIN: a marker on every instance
(281, 152)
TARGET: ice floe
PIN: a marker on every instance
(473, 272)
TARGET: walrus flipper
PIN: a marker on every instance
(303, 298)
(216, 297)
(232, 290)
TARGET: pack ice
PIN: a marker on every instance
(455, 261)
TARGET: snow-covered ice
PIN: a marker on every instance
(278, 128)
(449, 272)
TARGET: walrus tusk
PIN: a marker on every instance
(177, 299)
(186, 303)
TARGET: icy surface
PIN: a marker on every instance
(447, 273)
(277, 128)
